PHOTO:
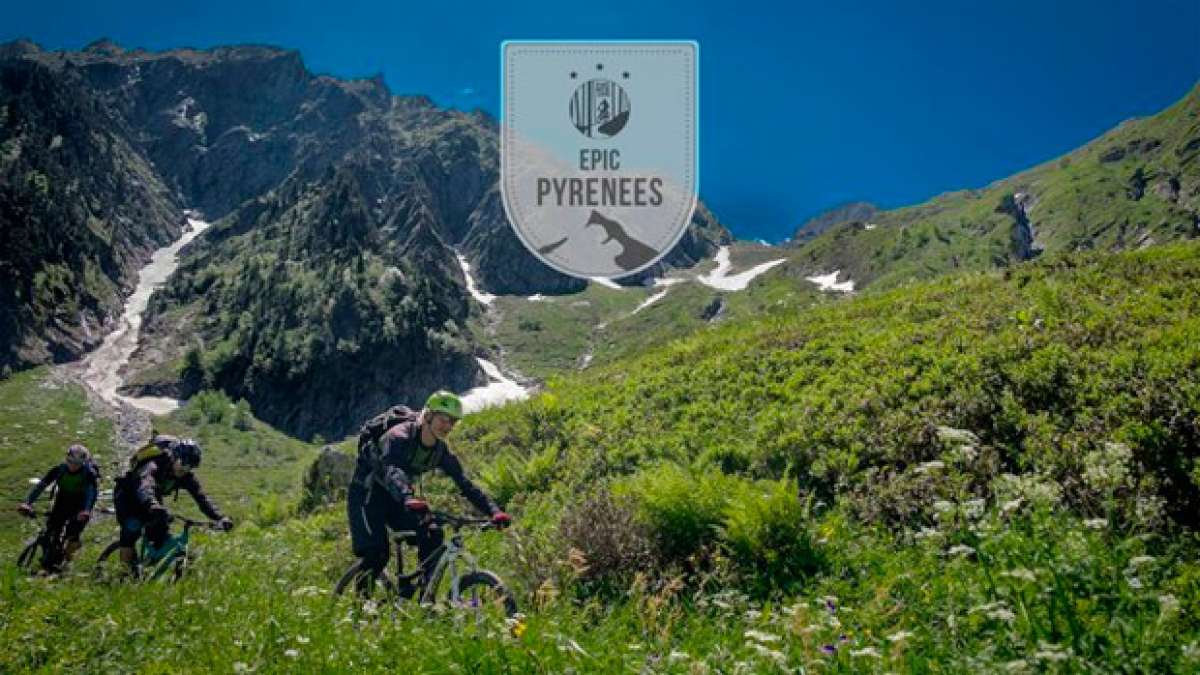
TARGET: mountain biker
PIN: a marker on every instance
(78, 484)
(158, 470)
(381, 493)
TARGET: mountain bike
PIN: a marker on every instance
(169, 561)
(42, 551)
(473, 590)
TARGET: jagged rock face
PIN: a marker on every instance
(329, 287)
(225, 125)
(81, 210)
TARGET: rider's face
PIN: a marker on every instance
(442, 424)
(74, 467)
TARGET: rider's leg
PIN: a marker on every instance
(157, 531)
(131, 531)
(429, 538)
(74, 530)
(55, 521)
(368, 529)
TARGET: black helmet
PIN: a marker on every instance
(187, 451)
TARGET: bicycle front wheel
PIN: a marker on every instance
(109, 566)
(28, 560)
(480, 590)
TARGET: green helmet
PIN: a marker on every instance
(445, 402)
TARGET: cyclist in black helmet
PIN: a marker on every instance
(77, 483)
(158, 470)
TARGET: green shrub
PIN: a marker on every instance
(681, 509)
(242, 417)
(768, 532)
(211, 407)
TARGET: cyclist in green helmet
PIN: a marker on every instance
(394, 449)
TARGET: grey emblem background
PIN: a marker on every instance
(545, 125)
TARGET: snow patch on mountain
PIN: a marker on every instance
(722, 280)
(829, 282)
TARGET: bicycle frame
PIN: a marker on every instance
(161, 558)
(447, 556)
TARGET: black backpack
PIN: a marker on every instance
(378, 425)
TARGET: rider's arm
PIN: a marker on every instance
(453, 468)
(393, 454)
(192, 485)
(51, 476)
(91, 489)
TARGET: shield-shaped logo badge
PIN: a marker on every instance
(598, 150)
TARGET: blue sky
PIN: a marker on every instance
(802, 108)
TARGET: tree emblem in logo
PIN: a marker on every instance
(599, 108)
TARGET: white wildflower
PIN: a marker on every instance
(1140, 560)
(1022, 574)
(774, 655)
(240, 667)
(1051, 652)
(935, 465)
(1002, 614)
(677, 656)
(973, 508)
(928, 533)
(1134, 583)
(760, 636)
(866, 651)
(1095, 523)
(1107, 468)
(943, 506)
(302, 639)
(291, 653)
(1018, 666)
(960, 549)
(900, 636)
(1168, 605)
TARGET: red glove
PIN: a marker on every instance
(25, 509)
(416, 505)
(84, 516)
(501, 520)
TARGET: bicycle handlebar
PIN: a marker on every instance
(444, 518)
(188, 522)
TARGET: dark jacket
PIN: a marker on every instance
(154, 480)
(80, 487)
(400, 458)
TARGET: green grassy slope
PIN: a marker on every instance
(554, 336)
(660, 529)
(250, 469)
(41, 417)
(1136, 185)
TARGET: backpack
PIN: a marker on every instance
(378, 425)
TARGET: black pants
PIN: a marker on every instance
(65, 514)
(371, 513)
